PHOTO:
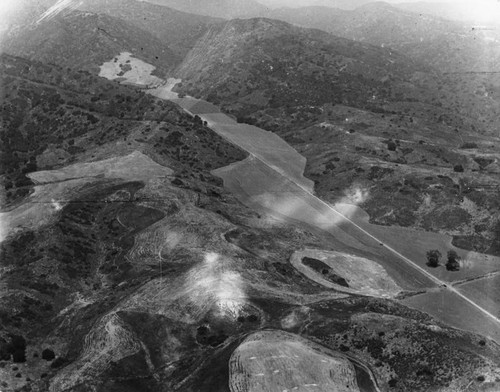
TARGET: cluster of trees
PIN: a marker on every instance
(452, 262)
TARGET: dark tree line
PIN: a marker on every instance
(452, 262)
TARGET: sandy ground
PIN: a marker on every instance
(363, 276)
(279, 361)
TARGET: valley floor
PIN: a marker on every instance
(271, 180)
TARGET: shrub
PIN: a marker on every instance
(452, 264)
(391, 145)
(458, 168)
(48, 354)
(468, 145)
(433, 257)
(58, 363)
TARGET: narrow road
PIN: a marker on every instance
(436, 280)
(408, 261)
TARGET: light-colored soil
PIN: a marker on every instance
(132, 166)
(364, 276)
(139, 74)
(56, 187)
(279, 361)
(41, 207)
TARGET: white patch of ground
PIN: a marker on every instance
(280, 361)
(165, 91)
(133, 166)
(138, 74)
(109, 340)
(57, 186)
(364, 276)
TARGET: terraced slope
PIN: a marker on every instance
(273, 360)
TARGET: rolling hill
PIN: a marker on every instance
(175, 29)
(264, 61)
(227, 9)
(131, 268)
(337, 100)
(446, 45)
(127, 266)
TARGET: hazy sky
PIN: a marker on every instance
(487, 11)
(480, 10)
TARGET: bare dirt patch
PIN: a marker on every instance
(132, 166)
(130, 70)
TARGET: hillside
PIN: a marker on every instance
(342, 104)
(131, 268)
(52, 116)
(268, 62)
(288, 73)
(227, 9)
(465, 58)
(342, 4)
(81, 40)
(446, 45)
(151, 243)
(175, 29)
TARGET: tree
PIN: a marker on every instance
(452, 264)
(433, 257)
(391, 145)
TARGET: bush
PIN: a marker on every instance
(391, 145)
(468, 145)
(48, 354)
(452, 264)
(58, 363)
(458, 168)
(433, 257)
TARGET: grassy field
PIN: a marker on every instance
(266, 190)
(363, 276)
(268, 147)
(455, 311)
(415, 243)
(273, 151)
(485, 292)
